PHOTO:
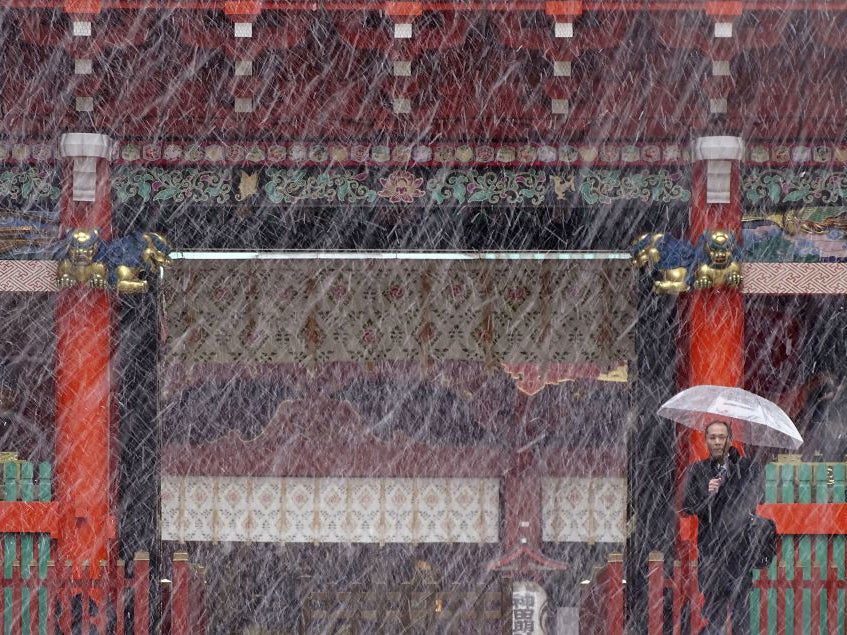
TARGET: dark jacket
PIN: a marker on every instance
(724, 516)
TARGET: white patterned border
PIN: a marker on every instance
(301, 510)
(33, 276)
(583, 509)
(795, 278)
(774, 278)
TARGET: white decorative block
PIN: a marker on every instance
(85, 148)
(561, 69)
(86, 144)
(243, 29)
(718, 105)
(718, 181)
(563, 29)
(401, 105)
(720, 68)
(402, 68)
(560, 107)
(85, 104)
(243, 104)
(403, 31)
(723, 29)
(718, 147)
(83, 66)
(243, 68)
(81, 28)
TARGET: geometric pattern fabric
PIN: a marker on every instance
(379, 510)
(577, 312)
(587, 509)
(312, 510)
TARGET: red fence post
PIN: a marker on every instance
(85, 596)
(52, 596)
(17, 598)
(781, 585)
(198, 599)
(832, 597)
(655, 593)
(614, 594)
(32, 583)
(817, 585)
(120, 597)
(165, 595)
(590, 619)
(678, 596)
(180, 596)
(65, 588)
(141, 593)
(101, 586)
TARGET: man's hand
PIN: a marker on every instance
(715, 485)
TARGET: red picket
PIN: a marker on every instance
(817, 585)
(65, 582)
(180, 594)
(832, 583)
(17, 612)
(678, 597)
(183, 610)
(141, 592)
(655, 593)
(32, 584)
(52, 596)
(601, 607)
(657, 582)
(120, 598)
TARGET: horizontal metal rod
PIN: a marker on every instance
(400, 255)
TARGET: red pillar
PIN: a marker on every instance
(83, 381)
(715, 317)
(522, 502)
(522, 488)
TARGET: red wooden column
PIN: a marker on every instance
(522, 502)
(715, 317)
(83, 382)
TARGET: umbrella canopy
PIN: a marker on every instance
(754, 419)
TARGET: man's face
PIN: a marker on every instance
(717, 439)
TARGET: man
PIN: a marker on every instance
(722, 491)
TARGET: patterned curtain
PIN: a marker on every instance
(311, 312)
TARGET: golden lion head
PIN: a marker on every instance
(719, 247)
(82, 245)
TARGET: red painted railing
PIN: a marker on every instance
(682, 586)
(55, 603)
(822, 618)
(601, 605)
(184, 602)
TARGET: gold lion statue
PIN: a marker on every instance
(120, 264)
(717, 261)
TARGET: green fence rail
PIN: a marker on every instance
(31, 552)
(802, 483)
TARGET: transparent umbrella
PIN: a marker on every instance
(755, 420)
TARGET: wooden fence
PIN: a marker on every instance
(802, 592)
(41, 597)
(601, 605)
(409, 608)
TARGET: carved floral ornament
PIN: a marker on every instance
(275, 186)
